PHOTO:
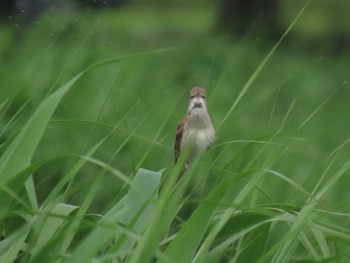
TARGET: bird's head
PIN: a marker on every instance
(197, 102)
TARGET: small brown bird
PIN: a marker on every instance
(195, 132)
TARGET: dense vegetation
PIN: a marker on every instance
(89, 105)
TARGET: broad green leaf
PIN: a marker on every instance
(164, 213)
(55, 220)
(138, 208)
(19, 154)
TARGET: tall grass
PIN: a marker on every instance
(86, 171)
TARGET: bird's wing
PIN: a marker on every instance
(178, 138)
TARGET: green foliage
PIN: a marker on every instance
(86, 164)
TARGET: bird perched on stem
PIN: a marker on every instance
(195, 132)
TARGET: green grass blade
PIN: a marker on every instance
(224, 218)
(124, 212)
(139, 207)
(261, 66)
(10, 192)
(19, 154)
(164, 214)
(193, 230)
(255, 243)
(55, 220)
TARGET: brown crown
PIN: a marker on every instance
(197, 92)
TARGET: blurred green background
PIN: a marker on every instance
(301, 95)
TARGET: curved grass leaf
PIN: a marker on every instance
(134, 210)
(19, 153)
(55, 220)
(261, 66)
(193, 230)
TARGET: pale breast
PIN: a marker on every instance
(198, 140)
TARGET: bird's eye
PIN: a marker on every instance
(192, 96)
(203, 97)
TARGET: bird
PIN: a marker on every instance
(195, 132)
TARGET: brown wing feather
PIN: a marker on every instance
(178, 138)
